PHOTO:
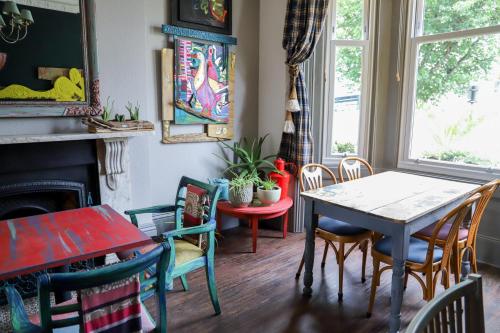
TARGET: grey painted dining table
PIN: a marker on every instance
(393, 203)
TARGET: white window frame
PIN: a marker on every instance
(366, 71)
(414, 38)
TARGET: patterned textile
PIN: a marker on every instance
(194, 207)
(112, 308)
(303, 25)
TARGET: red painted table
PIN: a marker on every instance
(36, 243)
(255, 213)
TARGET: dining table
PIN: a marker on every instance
(36, 243)
(396, 204)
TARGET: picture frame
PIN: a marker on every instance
(206, 15)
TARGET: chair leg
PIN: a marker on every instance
(184, 283)
(375, 277)
(169, 284)
(456, 263)
(212, 287)
(325, 252)
(473, 260)
(297, 276)
(341, 269)
(363, 267)
(407, 274)
(429, 289)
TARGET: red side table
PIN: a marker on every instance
(255, 213)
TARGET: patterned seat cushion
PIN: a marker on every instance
(338, 227)
(184, 251)
(417, 251)
(443, 233)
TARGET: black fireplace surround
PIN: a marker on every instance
(41, 178)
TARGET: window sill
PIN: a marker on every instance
(448, 171)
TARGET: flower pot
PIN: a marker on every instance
(3, 60)
(242, 197)
(269, 197)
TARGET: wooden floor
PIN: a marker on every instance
(259, 293)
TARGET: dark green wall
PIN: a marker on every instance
(53, 41)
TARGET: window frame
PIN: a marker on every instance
(415, 37)
(366, 82)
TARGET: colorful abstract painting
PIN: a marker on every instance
(201, 83)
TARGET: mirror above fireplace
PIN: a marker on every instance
(47, 58)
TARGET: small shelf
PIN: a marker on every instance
(57, 137)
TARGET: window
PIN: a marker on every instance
(451, 103)
(346, 119)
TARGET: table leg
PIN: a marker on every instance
(285, 224)
(254, 221)
(465, 265)
(400, 246)
(310, 223)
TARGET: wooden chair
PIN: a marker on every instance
(351, 166)
(68, 316)
(459, 309)
(423, 256)
(185, 256)
(331, 230)
(466, 240)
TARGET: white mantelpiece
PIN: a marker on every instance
(113, 160)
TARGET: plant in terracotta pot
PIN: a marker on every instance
(241, 189)
(268, 192)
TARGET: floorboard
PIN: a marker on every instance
(259, 293)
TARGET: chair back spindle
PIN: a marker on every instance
(311, 176)
(352, 168)
(457, 310)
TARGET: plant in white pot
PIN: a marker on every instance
(241, 190)
(268, 192)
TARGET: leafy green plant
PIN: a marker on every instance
(241, 182)
(249, 158)
(456, 156)
(345, 147)
(133, 111)
(120, 118)
(267, 184)
(107, 110)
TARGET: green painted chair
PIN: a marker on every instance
(67, 317)
(185, 256)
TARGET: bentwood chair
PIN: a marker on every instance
(459, 309)
(423, 256)
(95, 305)
(193, 247)
(351, 167)
(466, 240)
(331, 230)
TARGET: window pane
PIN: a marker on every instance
(457, 106)
(347, 100)
(349, 19)
(455, 15)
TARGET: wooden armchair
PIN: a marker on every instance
(459, 309)
(331, 230)
(466, 240)
(424, 256)
(69, 315)
(188, 254)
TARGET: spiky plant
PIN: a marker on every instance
(107, 110)
(133, 111)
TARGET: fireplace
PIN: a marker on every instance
(43, 178)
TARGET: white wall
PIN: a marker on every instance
(129, 38)
(273, 76)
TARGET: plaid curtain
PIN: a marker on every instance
(303, 25)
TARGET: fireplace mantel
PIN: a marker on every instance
(36, 138)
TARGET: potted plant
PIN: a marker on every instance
(268, 192)
(249, 160)
(241, 189)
